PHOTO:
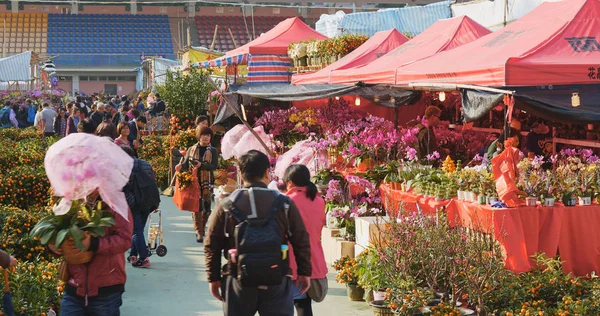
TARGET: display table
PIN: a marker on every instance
(523, 231)
(394, 200)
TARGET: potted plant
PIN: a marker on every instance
(547, 189)
(346, 268)
(370, 274)
(66, 232)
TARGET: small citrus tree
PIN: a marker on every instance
(186, 93)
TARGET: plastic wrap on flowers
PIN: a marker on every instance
(302, 153)
(80, 163)
(230, 139)
(249, 142)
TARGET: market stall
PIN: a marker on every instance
(443, 35)
(378, 45)
(266, 56)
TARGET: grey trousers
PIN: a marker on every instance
(276, 300)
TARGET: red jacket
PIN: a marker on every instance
(107, 268)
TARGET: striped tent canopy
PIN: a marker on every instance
(239, 59)
(413, 20)
(15, 68)
(263, 69)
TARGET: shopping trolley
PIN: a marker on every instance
(156, 238)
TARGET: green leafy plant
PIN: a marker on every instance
(81, 218)
(370, 273)
(187, 94)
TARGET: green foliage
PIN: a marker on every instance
(370, 274)
(156, 151)
(56, 229)
(35, 287)
(14, 237)
(187, 94)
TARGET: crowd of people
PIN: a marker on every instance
(83, 115)
(295, 215)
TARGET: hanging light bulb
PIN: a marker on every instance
(393, 100)
(376, 99)
(244, 112)
(442, 96)
(337, 98)
(357, 101)
(575, 100)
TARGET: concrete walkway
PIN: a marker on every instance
(176, 284)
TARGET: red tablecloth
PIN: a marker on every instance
(393, 200)
(572, 232)
(523, 231)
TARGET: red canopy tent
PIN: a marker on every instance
(276, 41)
(443, 35)
(555, 44)
(381, 43)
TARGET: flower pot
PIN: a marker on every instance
(73, 255)
(332, 222)
(378, 295)
(470, 196)
(369, 297)
(355, 292)
(549, 202)
(491, 200)
(380, 308)
(461, 195)
(482, 199)
(530, 201)
(569, 200)
(585, 201)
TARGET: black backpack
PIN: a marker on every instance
(258, 242)
(146, 195)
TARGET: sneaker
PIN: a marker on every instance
(141, 263)
(132, 259)
(199, 238)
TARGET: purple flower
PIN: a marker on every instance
(435, 155)
(411, 153)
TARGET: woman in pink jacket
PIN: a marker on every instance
(312, 209)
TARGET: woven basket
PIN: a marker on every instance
(73, 255)
(381, 309)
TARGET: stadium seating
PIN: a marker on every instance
(109, 34)
(23, 32)
(223, 41)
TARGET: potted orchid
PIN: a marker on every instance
(547, 188)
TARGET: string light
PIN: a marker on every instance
(357, 101)
(442, 96)
(575, 100)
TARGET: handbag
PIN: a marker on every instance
(188, 199)
(318, 289)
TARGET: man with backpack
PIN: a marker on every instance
(252, 229)
(8, 116)
(143, 198)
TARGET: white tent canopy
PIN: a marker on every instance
(16, 68)
(494, 14)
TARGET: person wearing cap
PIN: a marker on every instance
(539, 140)
(426, 135)
(203, 158)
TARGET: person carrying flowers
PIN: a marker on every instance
(88, 173)
(201, 158)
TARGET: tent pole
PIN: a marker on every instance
(451, 87)
(269, 151)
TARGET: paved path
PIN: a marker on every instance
(176, 284)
